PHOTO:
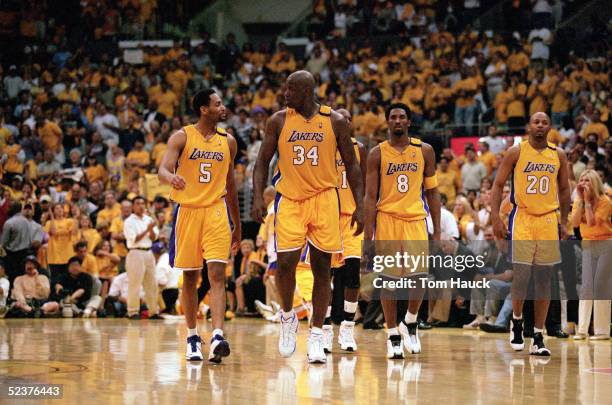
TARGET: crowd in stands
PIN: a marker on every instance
(82, 133)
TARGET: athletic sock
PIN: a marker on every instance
(217, 332)
(538, 330)
(316, 331)
(192, 332)
(410, 318)
(327, 320)
(392, 332)
(349, 310)
(518, 318)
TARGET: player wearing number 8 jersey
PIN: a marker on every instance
(306, 135)
(199, 165)
(540, 187)
(400, 177)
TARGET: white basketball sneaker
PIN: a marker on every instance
(517, 342)
(346, 337)
(194, 348)
(288, 335)
(316, 352)
(395, 350)
(328, 338)
(219, 348)
(410, 336)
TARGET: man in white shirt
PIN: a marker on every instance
(448, 223)
(497, 144)
(106, 124)
(167, 277)
(140, 231)
(118, 293)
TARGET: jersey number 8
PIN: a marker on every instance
(402, 183)
(534, 187)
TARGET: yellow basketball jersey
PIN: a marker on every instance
(203, 164)
(307, 155)
(401, 192)
(347, 202)
(534, 180)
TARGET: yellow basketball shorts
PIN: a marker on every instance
(304, 280)
(535, 238)
(395, 236)
(351, 244)
(315, 219)
(202, 233)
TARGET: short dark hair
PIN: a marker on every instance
(201, 99)
(400, 106)
(80, 244)
(139, 197)
(74, 259)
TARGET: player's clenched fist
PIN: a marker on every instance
(177, 182)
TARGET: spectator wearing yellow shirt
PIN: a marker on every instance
(596, 127)
(516, 105)
(413, 97)
(116, 229)
(161, 144)
(178, 79)
(536, 94)
(449, 181)
(95, 171)
(560, 92)
(50, 134)
(111, 208)
(167, 101)
(107, 263)
(87, 233)
(517, 61)
(88, 261)
(61, 231)
(465, 105)
(501, 104)
(138, 159)
(488, 158)
(554, 136)
(12, 157)
(264, 97)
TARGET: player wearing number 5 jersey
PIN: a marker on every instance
(401, 190)
(306, 135)
(540, 187)
(199, 165)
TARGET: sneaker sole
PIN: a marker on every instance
(396, 357)
(541, 353)
(222, 350)
(349, 349)
(317, 361)
(326, 351)
(194, 358)
(517, 347)
(286, 354)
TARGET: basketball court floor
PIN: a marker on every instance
(116, 361)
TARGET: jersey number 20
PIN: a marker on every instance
(535, 185)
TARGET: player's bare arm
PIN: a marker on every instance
(432, 194)
(564, 191)
(372, 184)
(268, 148)
(506, 167)
(176, 144)
(232, 196)
(353, 172)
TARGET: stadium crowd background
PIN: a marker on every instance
(83, 132)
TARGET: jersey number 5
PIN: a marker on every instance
(205, 174)
(535, 186)
(312, 154)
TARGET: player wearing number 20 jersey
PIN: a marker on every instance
(201, 226)
(306, 204)
(534, 216)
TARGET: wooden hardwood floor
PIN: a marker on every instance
(116, 361)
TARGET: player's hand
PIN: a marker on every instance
(178, 182)
(563, 232)
(436, 235)
(236, 235)
(499, 229)
(259, 210)
(357, 219)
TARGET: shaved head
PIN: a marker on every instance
(300, 90)
(345, 114)
(540, 115)
(539, 125)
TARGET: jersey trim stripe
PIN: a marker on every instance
(418, 145)
(276, 178)
(511, 230)
(424, 200)
(277, 199)
(172, 243)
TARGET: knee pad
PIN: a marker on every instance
(351, 274)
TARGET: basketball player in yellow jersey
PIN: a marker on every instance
(199, 165)
(345, 265)
(401, 174)
(540, 186)
(306, 136)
